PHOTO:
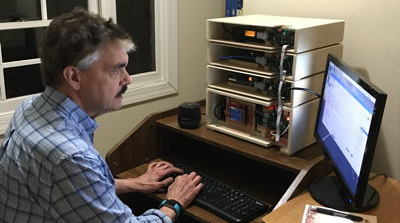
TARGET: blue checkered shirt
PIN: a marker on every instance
(50, 171)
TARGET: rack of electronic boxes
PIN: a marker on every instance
(265, 75)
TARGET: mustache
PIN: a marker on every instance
(123, 89)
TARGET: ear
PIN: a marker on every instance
(72, 77)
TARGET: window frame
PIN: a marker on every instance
(145, 86)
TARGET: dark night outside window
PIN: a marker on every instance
(20, 44)
(12, 10)
(137, 18)
(58, 7)
(23, 80)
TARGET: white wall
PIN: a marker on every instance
(371, 46)
(192, 46)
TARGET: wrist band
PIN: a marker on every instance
(173, 204)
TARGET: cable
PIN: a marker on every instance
(304, 89)
(374, 193)
(226, 30)
(377, 175)
(256, 114)
(227, 33)
(283, 133)
(282, 76)
(219, 105)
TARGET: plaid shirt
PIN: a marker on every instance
(50, 171)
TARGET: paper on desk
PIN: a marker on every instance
(310, 216)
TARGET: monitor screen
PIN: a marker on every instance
(347, 127)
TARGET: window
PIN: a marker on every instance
(152, 23)
(139, 22)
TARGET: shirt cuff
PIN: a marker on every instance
(164, 218)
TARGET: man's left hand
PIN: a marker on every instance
(155, 178)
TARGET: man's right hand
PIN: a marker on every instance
(185, 188)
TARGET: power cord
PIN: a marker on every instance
(304, 89)
(377, 175)
(220, 106)
(375, 192)
(226, 30)
(282, 76)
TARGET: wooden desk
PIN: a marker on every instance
(261, 172)
(387, 210)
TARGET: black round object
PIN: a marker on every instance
(189, 115)
(328, 191)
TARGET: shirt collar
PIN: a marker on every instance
(63, 103)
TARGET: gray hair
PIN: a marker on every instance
(75, 39)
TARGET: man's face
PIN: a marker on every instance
(104, 83)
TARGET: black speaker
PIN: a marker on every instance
(189, 115)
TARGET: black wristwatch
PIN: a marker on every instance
(173, 204)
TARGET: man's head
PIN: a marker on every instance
(84, 56)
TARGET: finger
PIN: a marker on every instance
(161, 163)
(171, 168)
(181, 177)
(197, 180)
(177, 170)
(165, 165)
(199, 186)
(153, 165)
(192, 175)
(191, 178)
(166, 182)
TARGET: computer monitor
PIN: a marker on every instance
(347, 127)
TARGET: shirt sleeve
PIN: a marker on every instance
(82, 192)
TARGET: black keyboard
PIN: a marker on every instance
(225, 201)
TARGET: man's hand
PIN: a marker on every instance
(185, 188)
(150, 181)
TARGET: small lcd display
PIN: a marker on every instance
(250, 33)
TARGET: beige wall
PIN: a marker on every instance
(371, 46)
(192, 46)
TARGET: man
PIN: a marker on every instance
(49, 169)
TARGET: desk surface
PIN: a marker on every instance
(387, 210)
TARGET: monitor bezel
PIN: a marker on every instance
(380, 96)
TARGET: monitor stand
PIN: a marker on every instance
(329, 192)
